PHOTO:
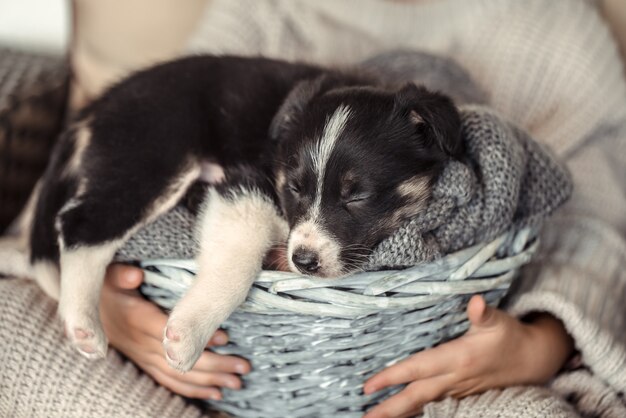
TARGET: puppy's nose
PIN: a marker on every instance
(305, 260)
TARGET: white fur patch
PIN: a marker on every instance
(320, 153)
(82, 275)
(415, 118)
(311, 236)
(15, 251)
(212, 173)
(281, 179)
(14, 246)
(234, 235)
(82, 138)
(46, 274)
(174, 192)
(14, 258)
(22, 225)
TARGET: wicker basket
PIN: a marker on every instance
(313, 342)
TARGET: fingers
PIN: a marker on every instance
(410, 401)
(482, 315)
(212, 362)
(219, 338)
(212, 379)
(209, 362)
(183, 388)
(135, 327)
(124, 276)
(144, 316)
(425, 364)
(200, 377)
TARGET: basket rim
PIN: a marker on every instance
(480, 268)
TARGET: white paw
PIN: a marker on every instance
(87, 337)
(184, 342)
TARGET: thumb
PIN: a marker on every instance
(480, 314)
(124, 276)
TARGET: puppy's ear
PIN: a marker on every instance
(433, 114)
(294, 104)
(297, 100)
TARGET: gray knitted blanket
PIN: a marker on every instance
(506, 181)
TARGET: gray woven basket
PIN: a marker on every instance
(313, 342)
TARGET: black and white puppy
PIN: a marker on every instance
(329, 162)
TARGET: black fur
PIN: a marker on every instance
(255, 117)
(142, 131)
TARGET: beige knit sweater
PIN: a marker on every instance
(550, 66)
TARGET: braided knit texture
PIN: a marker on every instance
(42, 376)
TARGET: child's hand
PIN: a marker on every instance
(135, 326)
(497, 351)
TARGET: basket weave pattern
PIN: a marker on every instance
(313, 342)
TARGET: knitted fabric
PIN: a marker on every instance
(33, 90)
(169, 236)
(41, 374)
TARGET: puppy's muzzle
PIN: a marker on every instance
(305, 260)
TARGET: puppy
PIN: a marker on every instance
(329, 162)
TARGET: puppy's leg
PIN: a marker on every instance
(14, 252)
(236, 229)
(82, 272)
(57, 186)
(92, 227)
(44, 251)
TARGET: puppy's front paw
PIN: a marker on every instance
(183, 344)
(87, 337)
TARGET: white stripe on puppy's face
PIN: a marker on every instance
(308, 234)
(320, 153)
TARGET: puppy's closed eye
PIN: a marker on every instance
(356, 198)
(294, 187)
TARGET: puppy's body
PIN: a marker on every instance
(153, 131)
(328, 161)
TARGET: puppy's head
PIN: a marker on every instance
(354, 162)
